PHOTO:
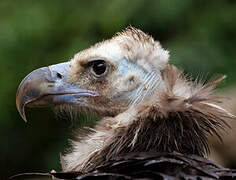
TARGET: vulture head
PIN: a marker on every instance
(146, 104)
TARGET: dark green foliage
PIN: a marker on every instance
(200, 36)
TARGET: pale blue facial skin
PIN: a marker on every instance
(125, 66)
(147, 80)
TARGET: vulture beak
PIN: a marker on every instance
(48, 86)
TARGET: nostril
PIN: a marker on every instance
(59, 75)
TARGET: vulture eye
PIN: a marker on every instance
(99, 68)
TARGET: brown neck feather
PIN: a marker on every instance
(184, 132)
(173, 124)
(179, 120)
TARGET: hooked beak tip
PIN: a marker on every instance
(21, 109)
(28, 89)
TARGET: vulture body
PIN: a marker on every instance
(155, 120)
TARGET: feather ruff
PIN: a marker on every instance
(178, 119)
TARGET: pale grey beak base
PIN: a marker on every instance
(48, 86)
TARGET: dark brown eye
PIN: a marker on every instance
(99, 68)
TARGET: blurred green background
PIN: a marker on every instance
(200, 35)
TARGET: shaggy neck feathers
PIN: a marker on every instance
(171, 120)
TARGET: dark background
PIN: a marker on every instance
(200, 35)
